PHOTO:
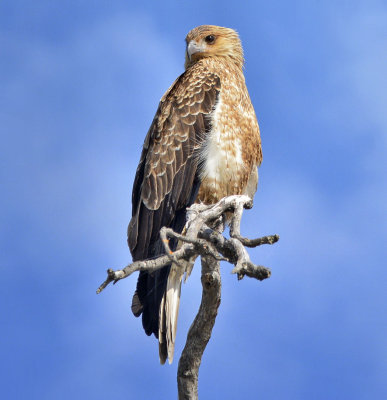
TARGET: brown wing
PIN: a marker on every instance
(167, 179)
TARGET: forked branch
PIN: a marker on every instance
(202, 236)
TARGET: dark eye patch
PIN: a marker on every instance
(210, 39)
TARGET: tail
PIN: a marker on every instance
(157, 296)
(169, 311)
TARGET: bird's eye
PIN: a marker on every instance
(210, 39)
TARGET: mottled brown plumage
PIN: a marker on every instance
(203, 145)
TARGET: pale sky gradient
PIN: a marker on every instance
(80, 83)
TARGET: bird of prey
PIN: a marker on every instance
(203, 144)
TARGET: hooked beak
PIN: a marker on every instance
(193, 48)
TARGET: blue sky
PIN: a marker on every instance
(80, 82)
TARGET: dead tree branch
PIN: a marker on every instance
(200, 331)
(203, 236)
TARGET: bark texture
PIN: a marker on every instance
(200, 331)
(203, 237)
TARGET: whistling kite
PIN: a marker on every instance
(203, 145)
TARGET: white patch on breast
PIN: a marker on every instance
(221, 165)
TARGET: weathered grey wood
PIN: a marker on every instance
(200, 331)
(203, 236)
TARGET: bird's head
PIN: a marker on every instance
(213, 41)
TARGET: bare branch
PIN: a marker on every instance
(202, 235)
(150, 265)
(200, 217)
(200, 331)
(235, 230)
